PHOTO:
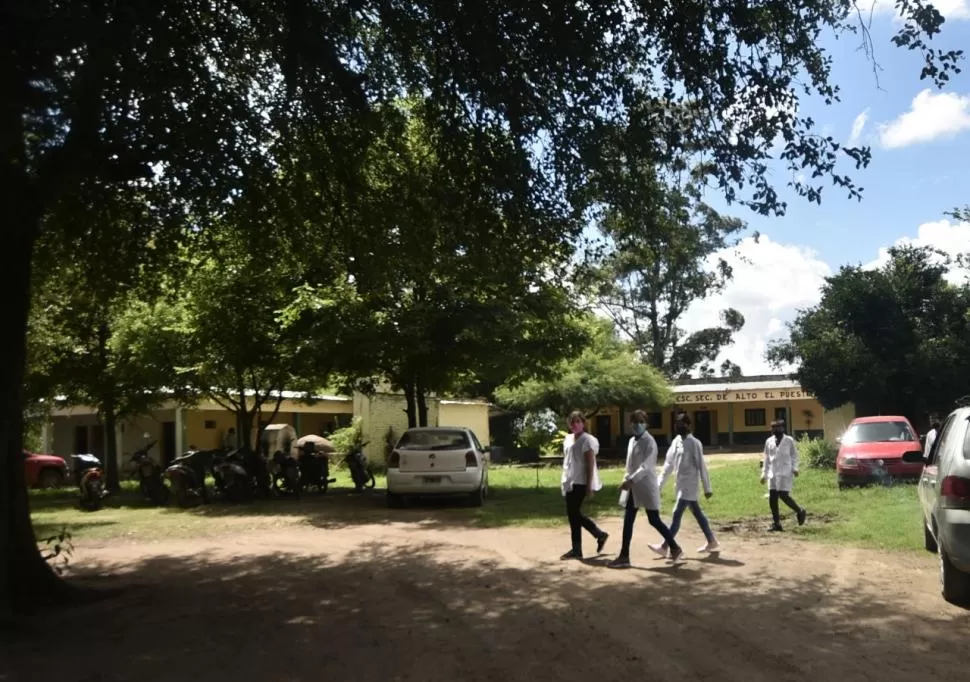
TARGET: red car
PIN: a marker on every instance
(44, 471)
(872, 449)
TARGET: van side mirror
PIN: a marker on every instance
(914, 457)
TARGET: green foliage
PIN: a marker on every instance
(891, 341)
(349, 437)
(817, 453)
(606, 373)
(536, 430)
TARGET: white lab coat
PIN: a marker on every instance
(685, 461)
(780, 463)
(574, 461)
(641, 471)
(930, 439)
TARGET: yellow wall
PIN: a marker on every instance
(470, 415)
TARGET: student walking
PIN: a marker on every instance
(580, 479)
(686, 463)
(639, 489)
(779, 468)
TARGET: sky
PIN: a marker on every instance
(920, 170)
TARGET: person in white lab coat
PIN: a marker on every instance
(779, 468)
(689, 469)
(580, 479)
(931, 436)
(639, 489)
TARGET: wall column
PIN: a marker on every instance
(180, 429)
(298, 423)
(119, 435)
(730, 424)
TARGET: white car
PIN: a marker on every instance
(944, 494)
(441, 460)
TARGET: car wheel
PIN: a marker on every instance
(50, 478)
(928, 540)
(954, 583)
(477, 498)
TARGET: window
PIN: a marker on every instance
(210, 424)
(755, 417)
(654, 420)
(943, 435)
(966, 442)
(781, 414)
(878, 432)
(437, 439)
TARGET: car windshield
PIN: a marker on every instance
(878, 432)
(434, 440)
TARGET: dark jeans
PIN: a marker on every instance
(577, 520)
(653, 516)
(695, 509)
(784, 496)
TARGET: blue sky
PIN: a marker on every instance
(920, 169)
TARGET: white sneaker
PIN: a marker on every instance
(710, 547)
(660, 550)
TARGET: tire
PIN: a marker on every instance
(477, 498)
(954, 583)
(928, 540)
(50, 478)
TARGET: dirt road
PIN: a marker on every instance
(378, 603)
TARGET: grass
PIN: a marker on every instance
(877, 517)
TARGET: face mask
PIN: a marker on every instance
(577, 428)
(639, 429)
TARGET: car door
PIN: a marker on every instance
(928, 483)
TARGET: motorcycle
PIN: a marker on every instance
(89, 477)
(314, 468)
(185, 477)
(233, 480)
(149, 476)
(359, 472)
(286, 473)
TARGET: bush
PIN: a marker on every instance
(817, 453)
(537, 431)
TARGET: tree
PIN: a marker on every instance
(891, 341)
(606, 373)
(659, 243)
(189, 93)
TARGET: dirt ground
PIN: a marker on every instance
(409, 601)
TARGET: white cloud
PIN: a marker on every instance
(858, 125)
(950, 9)
(931, 116)
(949, 237)
(771, 281)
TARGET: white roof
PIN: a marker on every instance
(727, 386)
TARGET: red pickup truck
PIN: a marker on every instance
(44, 471)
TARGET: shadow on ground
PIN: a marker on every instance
(427, 612)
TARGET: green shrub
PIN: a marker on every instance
(817, 453)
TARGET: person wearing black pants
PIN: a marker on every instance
(640, 490)
(580, 479)
(780, 468)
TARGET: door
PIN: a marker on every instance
(603, 430)
(168, 442)
(80, 440)
(702, 427)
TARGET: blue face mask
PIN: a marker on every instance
(639, 429)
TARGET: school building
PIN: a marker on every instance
(177, 428)
(731, 414)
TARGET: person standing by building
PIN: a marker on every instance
(580, 479)
(779, 469)
(639, 489)
(229, 440)
(689, 469)
(931, 436)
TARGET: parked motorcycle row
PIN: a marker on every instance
(240, 475)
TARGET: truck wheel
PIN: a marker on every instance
(50, 478)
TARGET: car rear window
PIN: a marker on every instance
(434, 440)
(878, 432)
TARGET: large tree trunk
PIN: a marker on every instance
(26, 580)
(410, 408)
(422, 402)
(111, 447)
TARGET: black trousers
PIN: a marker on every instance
(784, 496)
(577, 519)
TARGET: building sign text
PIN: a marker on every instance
(743, 396)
